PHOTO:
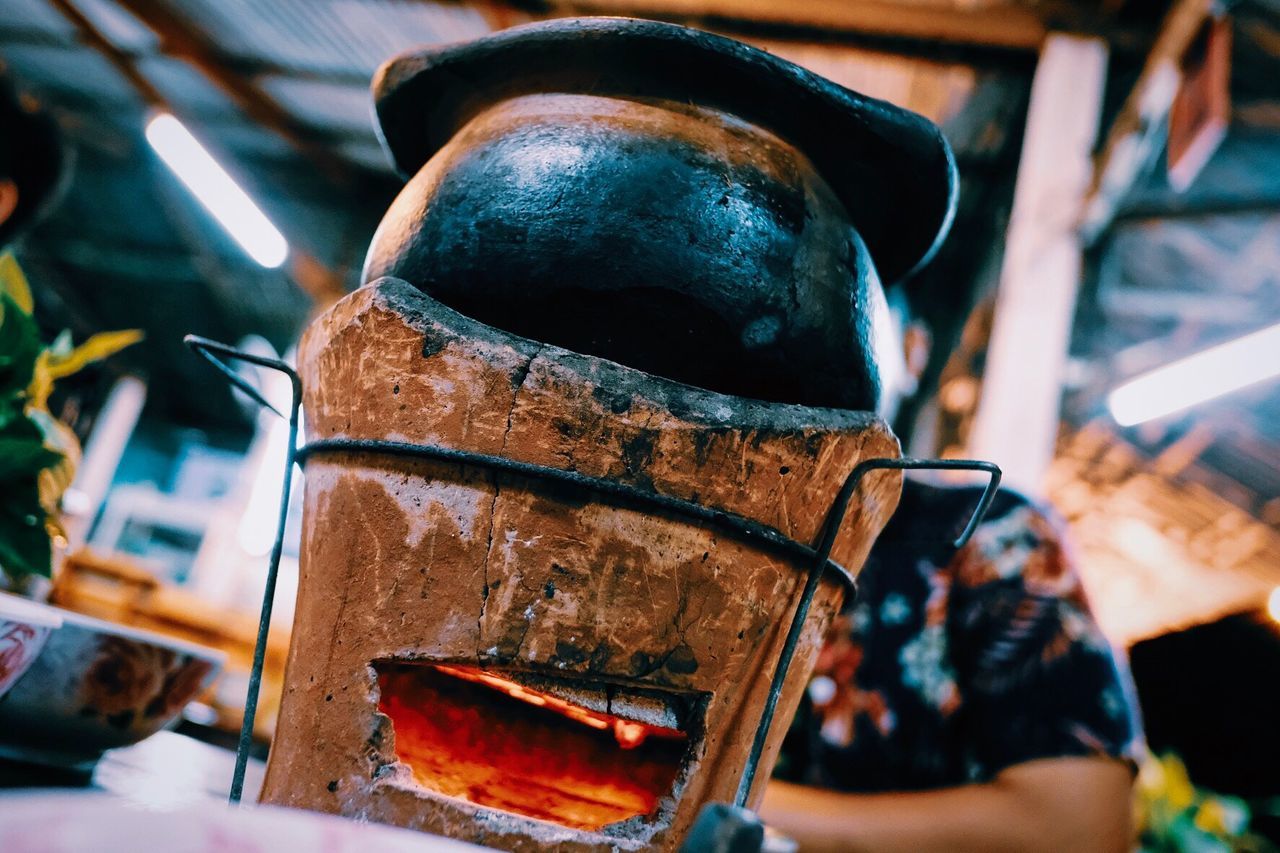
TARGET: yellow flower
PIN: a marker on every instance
(1177, 787)
(1211, 817)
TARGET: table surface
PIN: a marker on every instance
(170, 771)
(167, 770)
(169, 793)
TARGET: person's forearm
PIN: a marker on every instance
(973, 817)
(1062, 804)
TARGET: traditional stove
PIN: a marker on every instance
(591, 458)
(489, 653)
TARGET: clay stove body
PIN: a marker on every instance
(640, 617)
(522, 663)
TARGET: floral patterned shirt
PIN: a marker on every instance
(953, 665)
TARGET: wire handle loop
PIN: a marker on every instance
(214, 352)
(830, 528)
(210, 350)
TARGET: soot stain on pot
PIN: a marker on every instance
(553, 498)
(642, 664)
(432, 345)
(682, 660)
(704, 441)
(121, 720)
(617, 402)
(592, 251)
(570, 654)
(637, 456)
(679, 660)
(600, 657)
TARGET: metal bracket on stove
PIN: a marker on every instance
(214, 352)
(623, 493)
(835, 516)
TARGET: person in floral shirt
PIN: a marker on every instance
(966, 700)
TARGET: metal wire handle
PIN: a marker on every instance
(211, 350)
(835, 516)
(819, 554)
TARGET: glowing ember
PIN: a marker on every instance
(628, 734)
(470, 734)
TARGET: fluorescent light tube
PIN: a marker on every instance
(1184, 383)
(217, 190)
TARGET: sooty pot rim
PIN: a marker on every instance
(891, 168)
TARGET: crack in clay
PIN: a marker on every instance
(519, 379)
(488, 549)
(660, 662)
(524, 634)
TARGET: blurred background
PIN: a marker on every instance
(1120, 212)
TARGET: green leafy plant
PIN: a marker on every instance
(38, 454)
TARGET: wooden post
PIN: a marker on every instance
(1135, 136)
(1017, 419)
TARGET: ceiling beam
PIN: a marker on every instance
(1016, 422)
(1006, 26)
(24, 36)
(1135, 137)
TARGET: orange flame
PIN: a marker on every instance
(477, 736)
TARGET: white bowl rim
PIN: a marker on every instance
(102, 626)
(18, 609)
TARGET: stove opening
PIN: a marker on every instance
(482, 737)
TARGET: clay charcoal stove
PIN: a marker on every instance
(519, 662)
(632, 274)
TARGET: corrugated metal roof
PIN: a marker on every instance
(324, 104)
(328, 36)
(35, 16)
(245, 140)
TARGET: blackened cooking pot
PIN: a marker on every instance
(663, 197)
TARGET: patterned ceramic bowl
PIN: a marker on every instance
(24, 628)
(97, 686)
